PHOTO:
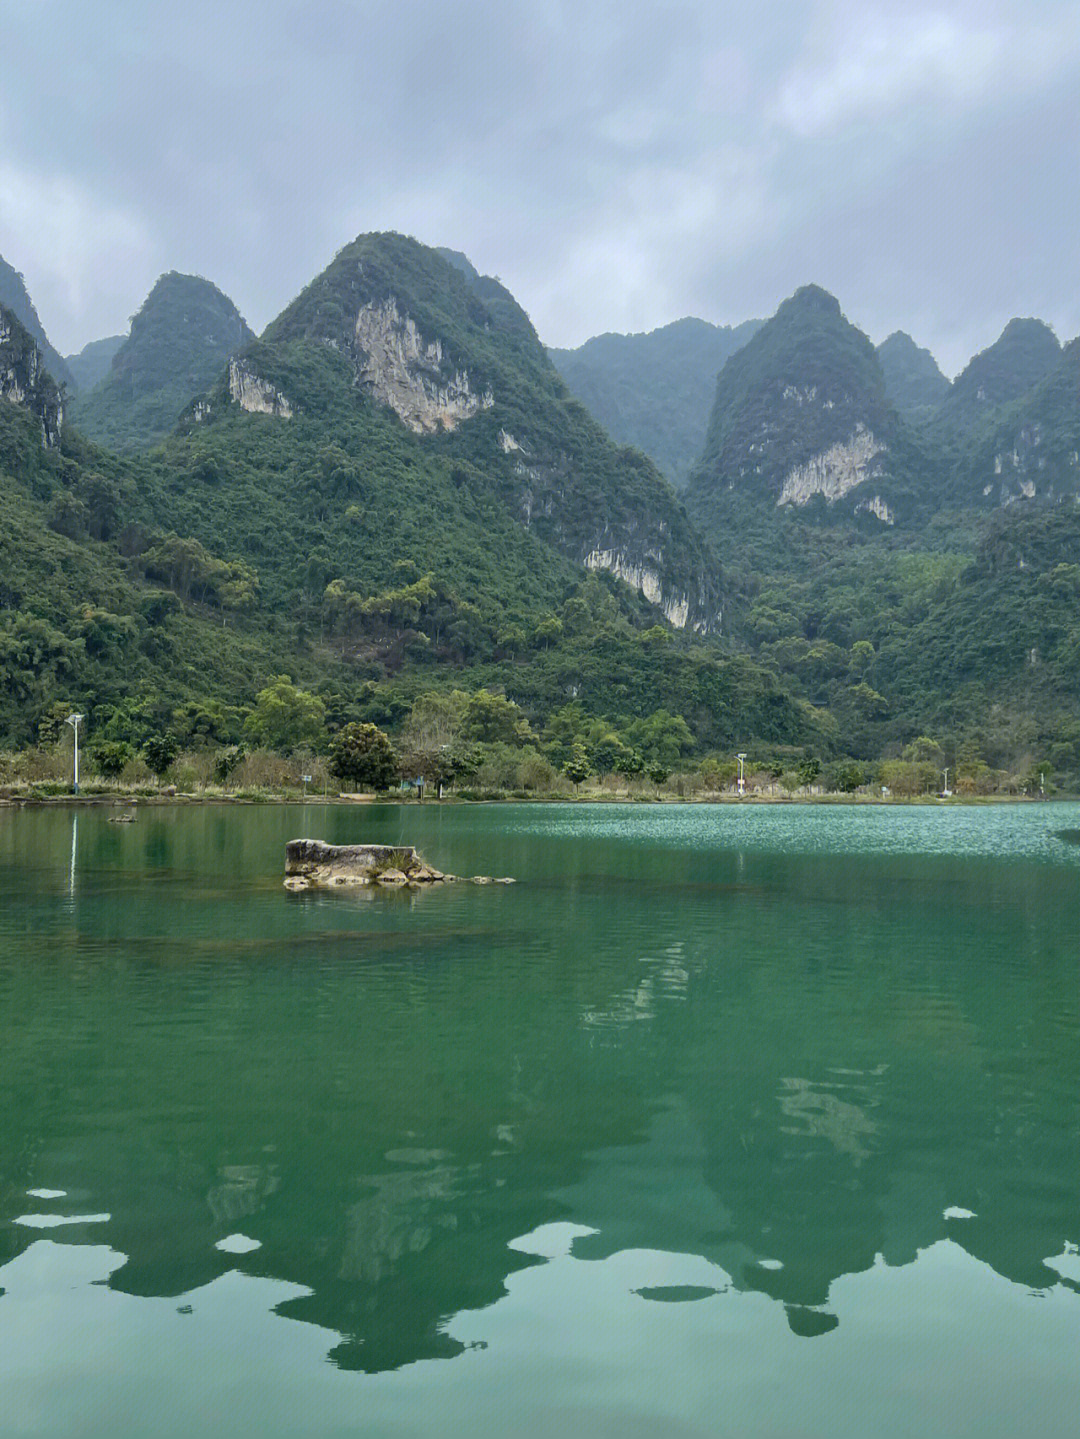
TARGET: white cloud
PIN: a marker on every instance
(74, 249)
(872, 65)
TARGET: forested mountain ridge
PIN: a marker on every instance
(801, 418)
(392, 326)
(1023, 354)
(913, 382)
(300, 525)
(392, 493)
(14, 296)
(90, 366)
(655, 390)
(1031, 449)
(183, 334)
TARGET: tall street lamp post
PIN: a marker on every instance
(75, 721)
(742, 782)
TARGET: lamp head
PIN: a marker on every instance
(74, 720)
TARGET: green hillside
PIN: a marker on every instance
(801, 420)
(1023, 355)
(914, 384)
(393, 334)
(179, 340)
(655, 390)
(93, 362)
(300, 524)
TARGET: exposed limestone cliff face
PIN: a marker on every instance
(834, 472)
(876, 506)
(24, 381)
(404, 372)
(1027, 471)
(254, 394)
(646, 581)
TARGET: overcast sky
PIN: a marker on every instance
(617, 165)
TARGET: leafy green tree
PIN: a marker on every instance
(808, 772)
(578, 767)
(52, 726)
(662, 738)
(606, 752)
(363, 755)
(490, 717)
(285, 717)
(659, 774)
(512, 639)
(550, 628)
(631, 764)
(159, 751)
(227, 760)
(845, 777)
(111, 757)
(923, 750)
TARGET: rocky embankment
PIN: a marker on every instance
(312, 864)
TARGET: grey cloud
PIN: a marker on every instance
(617, 165)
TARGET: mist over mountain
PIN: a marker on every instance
(655, 390)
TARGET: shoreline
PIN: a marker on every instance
(136, 799)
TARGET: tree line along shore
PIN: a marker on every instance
(479, 746)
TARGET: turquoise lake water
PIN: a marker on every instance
(761, 1121)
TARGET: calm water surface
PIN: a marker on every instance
(750, 1121)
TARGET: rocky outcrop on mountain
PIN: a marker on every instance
(406, 372)
(182, 337)
(833, 472)
(24, 381)
(1033, 451)
(15, 298)
(252, 393)
(914, 384)
(801, 414)
(655, 390)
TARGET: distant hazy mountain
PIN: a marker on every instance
(182, 336)
(655, 390)
(90, 366)
(13, 294)
(913, 381)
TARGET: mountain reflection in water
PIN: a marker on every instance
(775, 1066)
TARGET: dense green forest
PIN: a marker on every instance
(181, 337)
(389, 510)
(654, 391)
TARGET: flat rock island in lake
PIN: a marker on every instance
(311, 863)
